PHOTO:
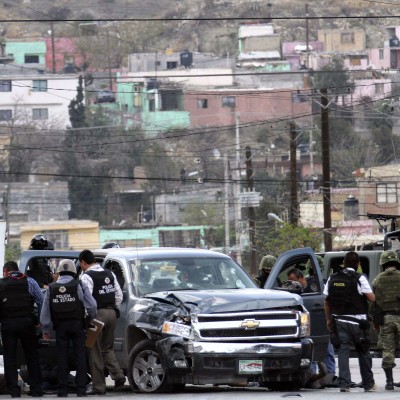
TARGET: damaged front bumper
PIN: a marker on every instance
(228, 363)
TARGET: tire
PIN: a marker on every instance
(145, 372)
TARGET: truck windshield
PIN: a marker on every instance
(157, 275)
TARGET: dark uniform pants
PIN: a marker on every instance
(71, 330)
(349, 333)
(23, 330)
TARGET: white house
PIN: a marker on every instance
(35, 97)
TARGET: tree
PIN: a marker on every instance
(287, 237)
(334, 77)
(76, 107)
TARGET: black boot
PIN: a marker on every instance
(389, 378)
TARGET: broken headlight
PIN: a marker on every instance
(176, 329)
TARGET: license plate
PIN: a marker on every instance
(250, 366)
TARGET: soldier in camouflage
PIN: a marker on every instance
(266, 264)
(387, 291)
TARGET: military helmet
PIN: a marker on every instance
(267, 262)
(111, 245)
(320, 262)
(389, 258)
(66, 266)
(38, 242)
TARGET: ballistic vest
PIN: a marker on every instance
(103, 288)
(344, 298)
(387, 290)
(64, 301)
(15, 299)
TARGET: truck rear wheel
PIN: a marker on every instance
(145, 372)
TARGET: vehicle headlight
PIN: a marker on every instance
(305, 329)
(172, 328)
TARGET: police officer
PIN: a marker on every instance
(64, 306)
(386, 287)
(108, 294)
(347, 295)
(265, 267)
(18, 293)
(39, 268)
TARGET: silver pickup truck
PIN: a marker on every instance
(193, 316)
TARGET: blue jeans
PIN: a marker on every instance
(349, 333)
(330, 359)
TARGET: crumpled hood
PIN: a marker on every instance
(228, 300)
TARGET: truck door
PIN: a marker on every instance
(116, 267)
(305, 261)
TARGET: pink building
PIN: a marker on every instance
(221, 107)
(296, 53)
(65, 55)
(388, 56)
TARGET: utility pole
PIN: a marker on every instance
(238, 216)
(109, 61)
(226, 201)
(326, 178)
(307, 50)
(53, 50)
(251, 214)
(294, 215)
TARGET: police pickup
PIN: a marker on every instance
(192, 316)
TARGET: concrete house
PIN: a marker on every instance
(260, 47)
(34, 96)
(31, 53)
(388, 55)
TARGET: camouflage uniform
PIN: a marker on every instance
(265, 267)
(387, 288)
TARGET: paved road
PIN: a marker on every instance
(227, 393)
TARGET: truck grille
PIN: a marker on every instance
(248, 326)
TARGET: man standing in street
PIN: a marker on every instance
(347, 295)
(18, 292)
(386, 287)
(64, 306)
(108, 295)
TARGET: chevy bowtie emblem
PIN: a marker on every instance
(250, 324)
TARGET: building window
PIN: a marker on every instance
(171, 100)
(5, 86)
(39, 86)
(172, 64)
(31, 59)
(347, 38)
(228, 101)
(386, 193)
(58, 237)
(40, 113)
(5, 115)
(202, 103)
(381, 54)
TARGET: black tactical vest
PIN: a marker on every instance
(64, 301)
(15, 299)
(344, 297)
(387, 290)
(103, 288)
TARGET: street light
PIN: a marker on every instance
(273, 216)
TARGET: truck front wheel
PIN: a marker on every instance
(145, 372)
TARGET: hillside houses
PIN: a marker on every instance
(267, 82)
